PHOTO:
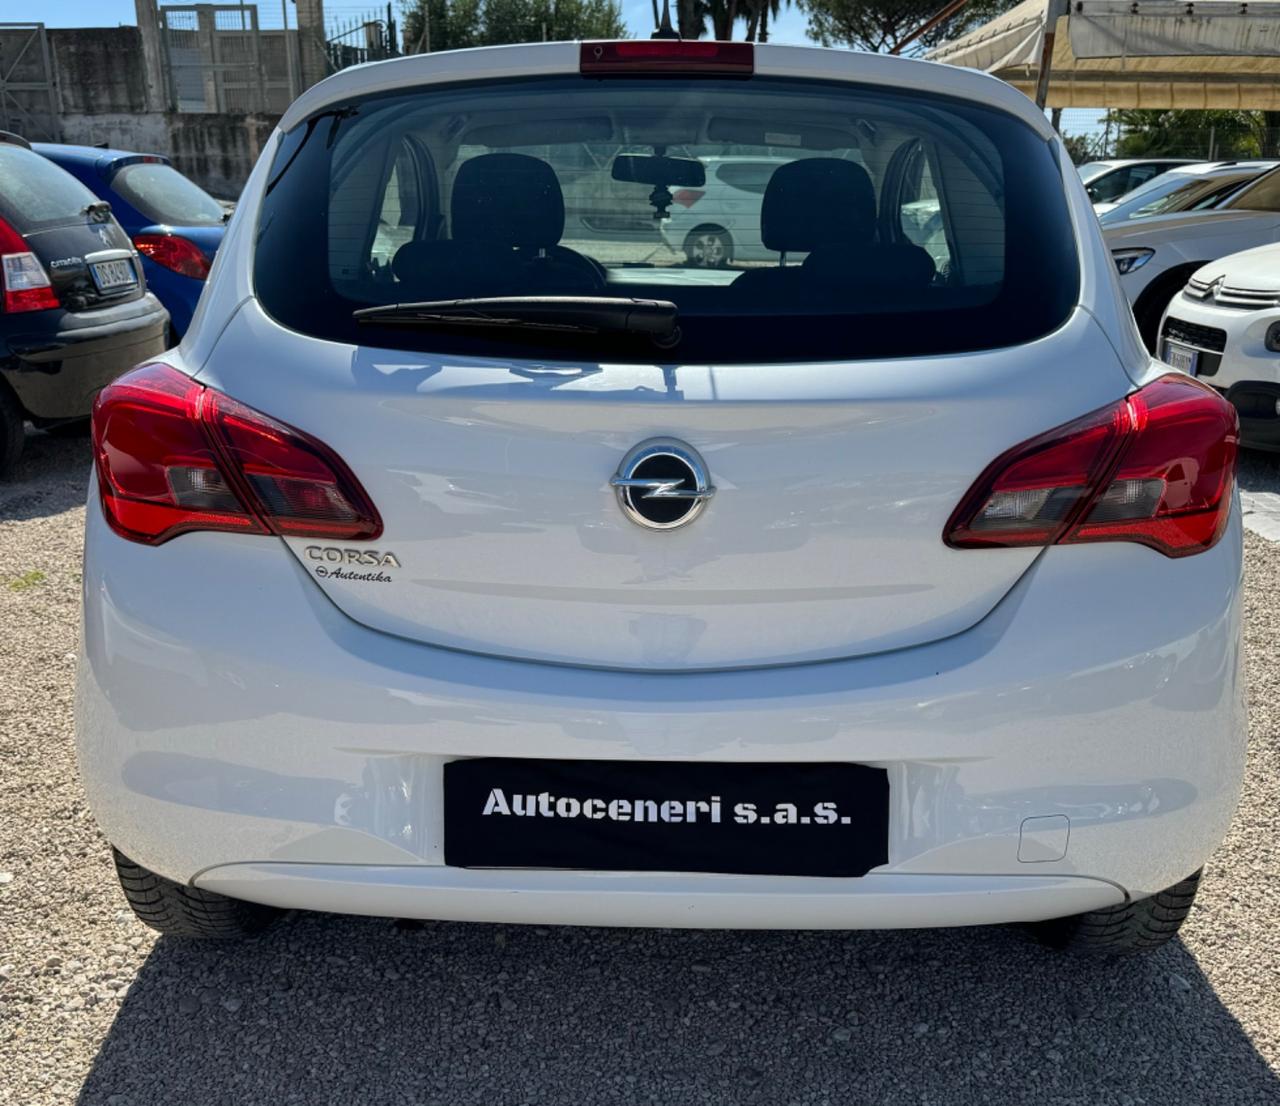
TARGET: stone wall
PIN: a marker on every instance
(102, 89)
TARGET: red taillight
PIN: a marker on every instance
(687, 197)
(24, 282)
(174, 252)
(174, 456)
(631, 56)
(1156, 468)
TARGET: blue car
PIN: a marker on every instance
(175, 224)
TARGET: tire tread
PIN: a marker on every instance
(178, 910)
(1135, 926)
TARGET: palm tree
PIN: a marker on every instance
(757, 14)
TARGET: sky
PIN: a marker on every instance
(790, 26)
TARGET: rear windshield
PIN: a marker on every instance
(164, 195)
(36, 194)
(1262, 195)
(785, 220)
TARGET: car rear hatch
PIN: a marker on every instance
(842, 407)
(86, 256)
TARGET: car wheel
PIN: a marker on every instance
(177, 910)
(709, 247)
(11, 430)
(1132, 927)
(1151, 304)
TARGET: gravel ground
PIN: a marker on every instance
(95, 1010)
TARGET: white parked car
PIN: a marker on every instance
(460, 573)
(1188, 188)
(1156, 256)
(1225, 329)
(719, 223)
(1108, 180)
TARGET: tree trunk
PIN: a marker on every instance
(687, 17)
(764, 21)
(752, 22)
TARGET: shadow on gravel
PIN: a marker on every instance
(360, 1011)
(51, 477)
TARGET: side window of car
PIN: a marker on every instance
(920, 211)
(747, 176)
(401, 212)
(1140, 174)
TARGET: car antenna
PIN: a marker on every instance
(664, 29)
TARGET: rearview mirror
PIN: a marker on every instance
(659, 171)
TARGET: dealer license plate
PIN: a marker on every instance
(828, 819)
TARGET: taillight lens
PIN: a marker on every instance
(174, 252)
(174, 456)
(629, 57)
(1156, 468)
(25, 284)
(687, 197)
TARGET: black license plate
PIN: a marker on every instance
(649, 816)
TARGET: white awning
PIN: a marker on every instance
(1128, 53)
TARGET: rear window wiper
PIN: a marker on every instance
(655, 319)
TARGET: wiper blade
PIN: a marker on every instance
(656, 319)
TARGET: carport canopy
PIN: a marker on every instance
(1134, 53)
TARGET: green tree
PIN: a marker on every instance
(1225, 134)
(879, 25)
(455, 24)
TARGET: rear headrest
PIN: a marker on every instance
(817, 201)
(507, 200)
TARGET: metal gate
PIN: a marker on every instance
(28, 99)
(213, 54)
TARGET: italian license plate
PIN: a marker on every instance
(827, 819)
(111, 276)
(1181, 357)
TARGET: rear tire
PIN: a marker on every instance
(12, 432)
(1139, 926)
(176, 910)
(709, 247)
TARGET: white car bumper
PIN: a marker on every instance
(237, 731)
(1231, 354)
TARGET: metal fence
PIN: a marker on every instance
(243, 58)
(358, 40)
(1093, 135)
(28, 101)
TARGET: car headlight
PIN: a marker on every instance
(1272, 341)
(1131, 260)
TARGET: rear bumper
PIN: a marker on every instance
(880, 901)
(178, 293)
(236, 730)
(57, 372)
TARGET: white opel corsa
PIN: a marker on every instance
(451, 569)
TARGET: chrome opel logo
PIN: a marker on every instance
(662, 484)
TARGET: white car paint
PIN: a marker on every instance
(247, 729)
(1187, 239)
(1238, 298)
(723, 210)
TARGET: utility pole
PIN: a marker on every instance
(1053, 9)
(289, 59)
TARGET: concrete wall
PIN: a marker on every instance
(218, 151)
(99, 69)
(102, 88)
